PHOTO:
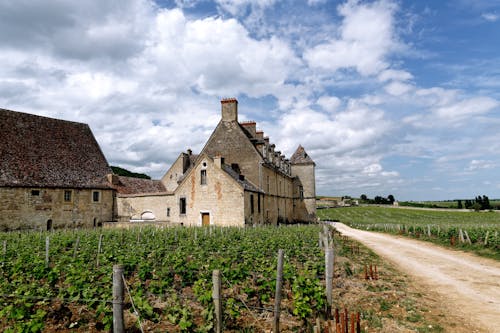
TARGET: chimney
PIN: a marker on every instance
(189, 152)
(251, 127)
(259, 135)
(113, 179)
(229, 108)
(218, 161)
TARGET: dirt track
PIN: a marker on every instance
(470, 285)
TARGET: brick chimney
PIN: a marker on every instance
(229, 108)
(251, 127)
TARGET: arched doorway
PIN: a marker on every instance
(49, 225)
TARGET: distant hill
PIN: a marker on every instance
(124, 172)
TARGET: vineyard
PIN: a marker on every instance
(62, 281)
(472, 231)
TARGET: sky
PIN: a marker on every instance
(388, 97)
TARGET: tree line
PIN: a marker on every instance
(478, 203)
(378, 200)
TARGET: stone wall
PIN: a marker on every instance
(33, 208)
(306, 177)
(230, 142)
(133, 207)
(221, 197)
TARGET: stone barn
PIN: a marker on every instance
(53, 174)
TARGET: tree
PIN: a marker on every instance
(459, 204)
(391, 199)
(364, 197)
(124, 172)
(486, 202)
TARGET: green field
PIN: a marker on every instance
(168, 274)
(443, 227)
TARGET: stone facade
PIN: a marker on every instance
(238, 178)
(52, 174)
(47, 208)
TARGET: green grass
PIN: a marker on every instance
(443, 225)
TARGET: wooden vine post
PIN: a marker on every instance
(277, 298)
(118, 325)
(216, 296)
(329, 258)
(47, 250)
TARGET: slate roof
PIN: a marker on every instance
(130, 185)
(301, 157)
(236, 176)
(45, 152)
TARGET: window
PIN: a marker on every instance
(35, 193)
(203, 175)
(258, 203)
(96, 196)
(267, 184)
(182, 206)
(301, 192)
(168, 212)
(67, 196)
(251, 204)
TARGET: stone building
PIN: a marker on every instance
(52, 174)
(238, 178)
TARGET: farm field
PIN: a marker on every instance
(471, 231)
(169, 288)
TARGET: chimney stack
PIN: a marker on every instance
(229, 109)
(251, 127)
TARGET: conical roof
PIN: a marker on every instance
(301, 157)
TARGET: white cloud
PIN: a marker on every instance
(316, 2)
(480, 164)
(490, 17)
(466, 108)
(397, 88)
(329, 103)
(239, 7)
(365, 40)
(393, 74)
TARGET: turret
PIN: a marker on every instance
(303, 167)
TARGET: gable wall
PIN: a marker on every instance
(22, 210)
(170, 179)
(221, 197)
(230, 142)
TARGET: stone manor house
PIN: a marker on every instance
(53, 174)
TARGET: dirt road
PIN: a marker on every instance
(468, 284)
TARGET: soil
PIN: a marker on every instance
(465, 286)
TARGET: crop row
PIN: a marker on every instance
(168, 273)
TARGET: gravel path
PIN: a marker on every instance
(469, 284)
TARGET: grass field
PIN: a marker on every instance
(443, 227)
(168, 274)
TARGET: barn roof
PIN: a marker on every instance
(129, 185)
(45, 152)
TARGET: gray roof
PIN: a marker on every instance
(130, 185)
(301, 157)
(247, 186)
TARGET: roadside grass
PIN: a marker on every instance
(431, 225)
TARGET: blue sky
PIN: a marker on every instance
(388, 97)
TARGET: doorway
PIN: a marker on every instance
(205, 219)
(49, 225)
